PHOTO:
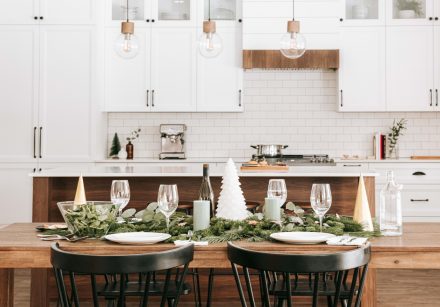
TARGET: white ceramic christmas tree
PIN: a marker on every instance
(231, 202)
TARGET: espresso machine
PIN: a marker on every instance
(173, 144)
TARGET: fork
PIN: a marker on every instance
(69, 238)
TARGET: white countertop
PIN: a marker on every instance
(192, 171)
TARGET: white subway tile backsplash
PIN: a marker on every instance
(297, 108)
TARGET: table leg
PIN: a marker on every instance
(7, 287)
(39, 288)
(370, 295)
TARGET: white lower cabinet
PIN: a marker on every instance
(16, 191)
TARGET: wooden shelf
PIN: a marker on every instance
(273, 59)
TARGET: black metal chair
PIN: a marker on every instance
(68, 263)
(339, 277)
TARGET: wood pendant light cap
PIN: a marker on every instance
(209, 26)
(293, 26)
(127, 27)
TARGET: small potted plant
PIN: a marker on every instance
(409, 9)
(393, 138)
(129, 147)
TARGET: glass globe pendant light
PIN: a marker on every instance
(210, 43)
(127, 44)
(293, 44)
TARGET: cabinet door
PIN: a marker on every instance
(69, 12)
(409, 63)
(18, 92)
(172, 13)
(362, 69)
(173, 70)
(66, 69)
(18, 12)
(139, 11)
(16, 188)
(127, 81)
(437, 67)
(226, 13)
(363, 13)
(420, 12)
(219, 79)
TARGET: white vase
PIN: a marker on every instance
(407, 14)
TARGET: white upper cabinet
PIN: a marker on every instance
(173, 70)
(66, 68)
(219, 79)
(362, 69)
(414, 12)
(362, 12)
(127, 82)
(437, 68)
(410, 65)
(19, 93)
(19, 11)
(47, 12)
(67, 11)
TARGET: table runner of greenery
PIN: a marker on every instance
(255, 228)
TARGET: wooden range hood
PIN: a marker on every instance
(273, 59)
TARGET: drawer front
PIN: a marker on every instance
(413, 173)
(421, 201)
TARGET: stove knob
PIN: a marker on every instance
(332, 160)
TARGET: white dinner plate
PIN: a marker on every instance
(302, 237)
(137, 238)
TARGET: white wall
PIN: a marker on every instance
(297, 108)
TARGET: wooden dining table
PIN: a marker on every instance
(417, 248)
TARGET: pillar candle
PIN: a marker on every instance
(201, 214)
(272, 209)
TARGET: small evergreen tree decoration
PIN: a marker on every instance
(231, 202)
(116, 147)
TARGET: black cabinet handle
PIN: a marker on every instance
(148, 20)
(420, 200)
(35, 142)
(342, 98)
(341, 19)
(239, 98)
(34, 170)
(436, 97)
(152, 20)
(419, 174)
(152, 98)
(41, 129)
(148, 98)
(430, 95)
(240, 20)
(430, 18)
(41, 17)
(352, 165)
(35, 17)
(436, 18)
(39, 170)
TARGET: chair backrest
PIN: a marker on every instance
(65, 262)
(345, 271)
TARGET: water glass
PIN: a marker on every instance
(277, 189)
(167, 200)
(321, 200)
(120, 194)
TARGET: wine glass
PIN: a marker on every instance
(168, 200)
(120, 194)
(321, 200)
(277, 189)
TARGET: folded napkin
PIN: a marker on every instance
(185, 242)
(347, 240)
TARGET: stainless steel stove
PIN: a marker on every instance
(299, 160)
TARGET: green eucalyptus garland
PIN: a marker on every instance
(255, 228)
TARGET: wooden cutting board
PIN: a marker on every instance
(425, 157)
(265, 168)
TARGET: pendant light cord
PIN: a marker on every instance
(293, 10)
(127, 11)
(209, 10)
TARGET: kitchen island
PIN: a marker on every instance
(56, 185)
